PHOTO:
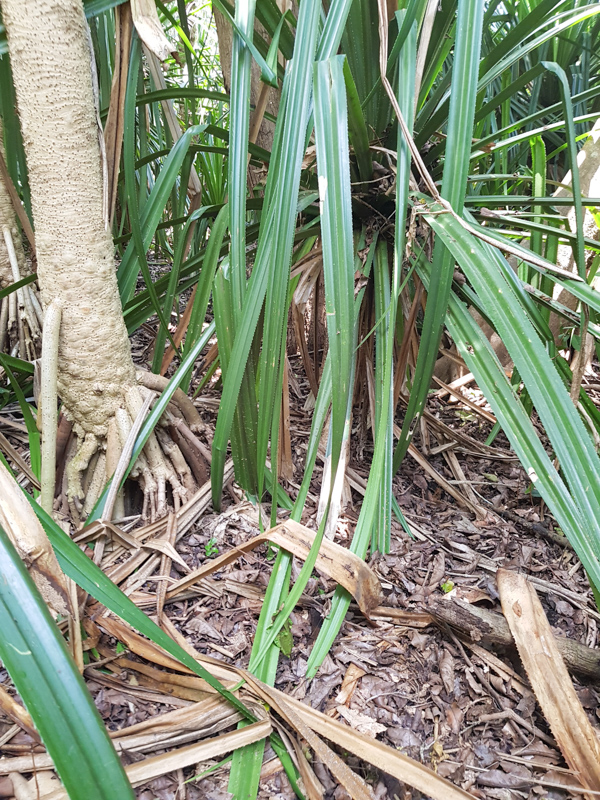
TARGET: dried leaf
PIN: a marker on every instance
(446, 663)
(297, 714)
(349, 684)
(168, 550)
(104, 528)
(549, 677)
(147, 24)
(361, 722)
(334, 560)
(23, 528)
(153, 767)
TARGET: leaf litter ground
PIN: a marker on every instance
(438, 688)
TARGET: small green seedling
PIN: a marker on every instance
(210, 548)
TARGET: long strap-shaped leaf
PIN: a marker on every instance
(239, 125)
(153, 210)
(458, 147)
(244, 428)
(274, 251)
(333, 161)
(91, 579)
(331, 129)
(271, 267)
(34, 653)
(491, 378)
(377, 476)
(569, 438)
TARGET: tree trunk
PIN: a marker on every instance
(48, 45)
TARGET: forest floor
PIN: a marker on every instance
(423, 674)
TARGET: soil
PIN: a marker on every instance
(456, 704)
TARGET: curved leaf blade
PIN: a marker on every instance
(35, 655)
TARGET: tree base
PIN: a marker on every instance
(171, 467)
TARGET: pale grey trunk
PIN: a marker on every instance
(48, 42)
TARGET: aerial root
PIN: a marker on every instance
(75, 469)
(171, 466)
(158, 383)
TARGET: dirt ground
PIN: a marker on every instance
(410, 676)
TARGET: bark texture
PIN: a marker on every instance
(48, 43)
(52, 69)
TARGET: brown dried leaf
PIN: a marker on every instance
(22, 527)
(150, 31)
(361, 722)
(153, 767)
(446, 664)
(17, 713)
(349, 684)
(307, 720)
(334, 560)
(549, 677)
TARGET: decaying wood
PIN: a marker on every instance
(487, 627)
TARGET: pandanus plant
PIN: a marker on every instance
(424, 123)
(417, 149)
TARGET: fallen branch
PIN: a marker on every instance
(487, 627)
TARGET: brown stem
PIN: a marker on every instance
(487, 627)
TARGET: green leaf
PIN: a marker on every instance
(570, 439)
(270, 274)
(54, 693)
(267, 75)
(379, 472)
(483, 363)
(152, 211)
(91, 579)
(463, 95)
(17, 285)
(333, 162)
(33, 435)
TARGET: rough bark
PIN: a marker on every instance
(53, 83)
(48, 44)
